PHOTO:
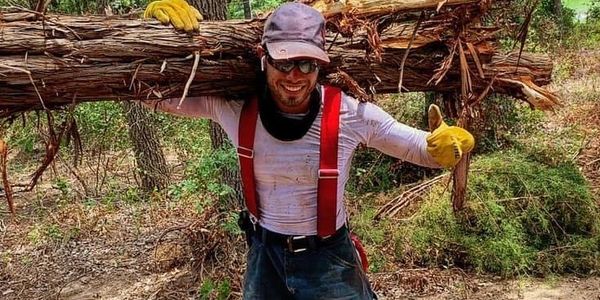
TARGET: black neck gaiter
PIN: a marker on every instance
(282, 127)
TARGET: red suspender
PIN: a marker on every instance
(328, 167)
(245, 150)
(328, 170)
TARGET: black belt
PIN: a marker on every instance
(297, 243)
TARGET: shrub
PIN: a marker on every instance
(210, 289)
(203, 175)
(522, 217)
(102, 126)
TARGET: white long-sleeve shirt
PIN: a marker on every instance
(286, 171)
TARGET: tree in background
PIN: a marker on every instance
(247, 9)
(149, 158)
(215, 10)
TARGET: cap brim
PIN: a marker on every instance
(291, 50)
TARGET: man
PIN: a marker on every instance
(293, 181)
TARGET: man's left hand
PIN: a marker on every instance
(447, 144)
(176, 12)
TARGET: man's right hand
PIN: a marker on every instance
(176, 12)
(447, 144)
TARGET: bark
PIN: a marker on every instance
(42, 5)
(558, 12)
(78, 59)
(247, 9)
(152, 169)
(557, 9)
(150, 160)
(211, 9)
(103, 7)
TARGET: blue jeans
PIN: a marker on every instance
(328, 272)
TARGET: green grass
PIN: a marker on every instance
(522, 217)
(577, 5)
(581, 7)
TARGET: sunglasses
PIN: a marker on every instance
(305, 66)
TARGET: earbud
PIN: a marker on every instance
(262, 63)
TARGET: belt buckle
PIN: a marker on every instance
(290, 243)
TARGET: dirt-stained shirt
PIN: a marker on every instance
(286, 172)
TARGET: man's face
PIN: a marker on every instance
(291, 90)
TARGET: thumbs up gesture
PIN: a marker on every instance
(446, 144)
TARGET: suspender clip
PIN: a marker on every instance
(245, 152)
(329, 173)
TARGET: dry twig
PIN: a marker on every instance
(191, 78)
(412, 38)
(393, 207)
(6, 184)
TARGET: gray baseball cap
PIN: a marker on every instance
(295, 30)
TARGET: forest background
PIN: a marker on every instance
(100, 225)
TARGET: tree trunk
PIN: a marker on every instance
(558, 12)
(149, 157)
(230, 174)
(103, 6)
(213, 10)
(558, 9)
(362, 8)
(150, 160)
(151, 165)
(41, 6)
(247, 9)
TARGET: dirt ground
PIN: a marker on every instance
(448, 284)
(127, 270)
(57, 249)
(127, 267)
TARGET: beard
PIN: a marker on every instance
(288, 98)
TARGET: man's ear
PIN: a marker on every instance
(260, 51)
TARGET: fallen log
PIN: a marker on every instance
(63, 81)
(64, 59)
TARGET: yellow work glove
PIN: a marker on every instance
(177, 12)
(446, 144)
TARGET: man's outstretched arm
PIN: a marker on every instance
(192, 107)
(443, 147)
